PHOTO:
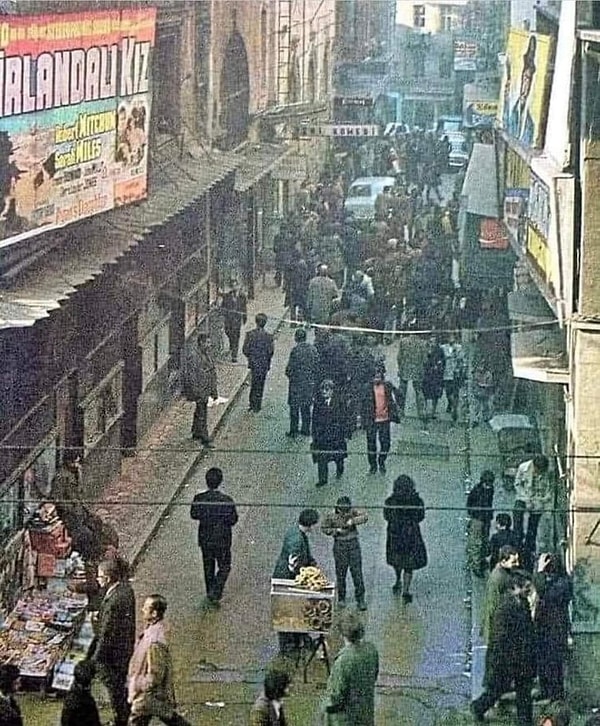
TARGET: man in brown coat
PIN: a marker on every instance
(150, 676)
(200, 384)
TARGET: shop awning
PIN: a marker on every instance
(538, 348)
(175, 183)
(256, 161)
(480, 187)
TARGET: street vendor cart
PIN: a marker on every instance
(518, 440)
(297, 609)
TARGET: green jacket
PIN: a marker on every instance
(295, 553)
(350, 694)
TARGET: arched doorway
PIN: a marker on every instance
(234, 93)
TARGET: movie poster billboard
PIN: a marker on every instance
(524, 86)
(75, 94)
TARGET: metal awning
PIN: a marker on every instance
(174, 185)
(538, 348)
(480, 187)
(256, 161)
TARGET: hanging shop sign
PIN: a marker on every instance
(355, 101)
(538, 229)
(75, 94)
(338, 130)
(480, 114)
(465, 55)
(524, 87)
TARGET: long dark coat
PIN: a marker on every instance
(329, 428)
(510, 652)
(301, 371)
(199, 374)
(552, 623)
(115, 631)
(432, 384)
(405, 548)
(234, 309)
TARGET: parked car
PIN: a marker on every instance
(362, 193)
(459, 153)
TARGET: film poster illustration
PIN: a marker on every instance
(75, 97)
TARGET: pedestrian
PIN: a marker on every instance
(552, 624)
(411, 357)
(405, 549)
(114, 638)
(299, 279)
(322, 291)
(200, 384)
(509, 660)
(258, 349)
(329, 427)
(480, 511)
(350, 691)
(216, 515)
(234, 309)
(301, 371)
(454, 374)
(483, 393)
(496, 586)
(79, 707)
(432, 384)
(342, 525)
(504, 535)
(295, 554)
(559, 714)
(151, 691)
(268, 707)
(533, 495)
(10, 712)
(379, 410)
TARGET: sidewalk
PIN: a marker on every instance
(137, 500)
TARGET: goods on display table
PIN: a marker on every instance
(40, 630)
(303, 605)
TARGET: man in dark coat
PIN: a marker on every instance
(301, 371)
(329, 426)
(295, 554)
(234, 308)
(115, 635)
(258, 349)
(379, 409)
(216, 515)
(200, 384)
(510, 655)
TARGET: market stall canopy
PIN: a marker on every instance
(175, 184)
(256, 161)
(538, 350)
(480, 187)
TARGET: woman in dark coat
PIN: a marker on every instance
(551, 621)
(432, 384)
(329, 419)
(405, 549)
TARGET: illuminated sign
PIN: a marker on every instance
(75, 95)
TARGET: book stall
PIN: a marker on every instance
(47, 625)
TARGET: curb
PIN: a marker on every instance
(142, 543)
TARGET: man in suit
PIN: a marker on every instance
(301, 371)
(115, 635)
(295, 554)
(234, 307)
(258, 349)
(200, 384)
(216, 514)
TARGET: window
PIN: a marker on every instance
(448, 17)
(419, 16)
(103, 407)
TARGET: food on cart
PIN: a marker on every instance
(311, 578)
(318, 614)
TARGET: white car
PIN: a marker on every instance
(362, 193)
(459, 154)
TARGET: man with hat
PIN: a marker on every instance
(342, 524)
(200, 384)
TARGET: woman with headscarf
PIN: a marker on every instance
(405, 549)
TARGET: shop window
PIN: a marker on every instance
(103, 407)
(155, 352)
(419, 16)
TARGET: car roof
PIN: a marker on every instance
(375, 180)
